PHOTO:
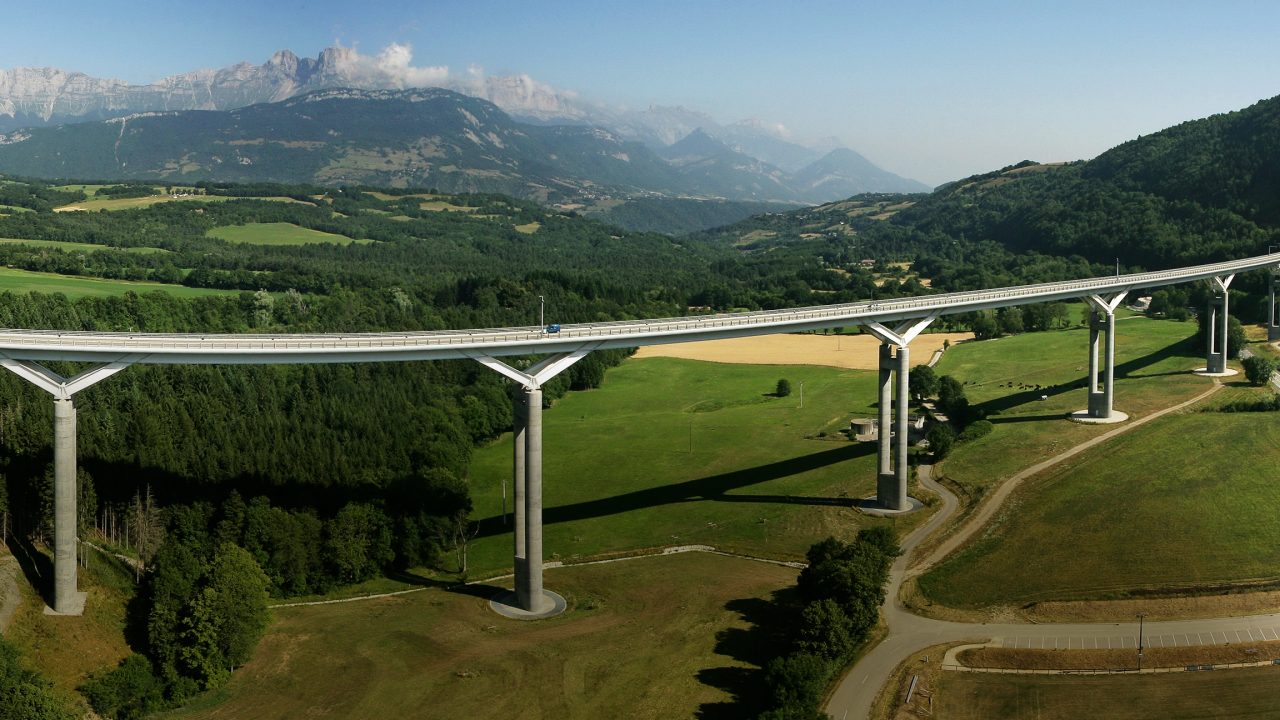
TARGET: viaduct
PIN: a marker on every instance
(894, 322)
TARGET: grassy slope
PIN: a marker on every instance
(71, 246)
(1231, 694)
(67, 650)
(1002, 375)
(437, 654)
(621, 471)
(75, 287)
(94, 204)
(278, 233)
(1120, 503)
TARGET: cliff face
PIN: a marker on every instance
(49, 96)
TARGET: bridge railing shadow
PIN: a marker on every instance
(995, 407)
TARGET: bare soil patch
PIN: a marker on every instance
(926, 667)
(852, 352)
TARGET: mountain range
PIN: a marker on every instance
(428, 137)
(749, 160)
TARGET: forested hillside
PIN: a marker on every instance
(1200, 192)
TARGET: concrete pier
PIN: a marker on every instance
(1216, 342)
(893, 470)
(529, 600)
(519, 404)
(67, 600)
(1273, 317)
(891, 457)
(530, 595)
(1102, 337)
(1102, 331)
(902, 470)
(884, 432)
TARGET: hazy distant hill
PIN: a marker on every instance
(843, 173)
(41, 97)
(713, 168)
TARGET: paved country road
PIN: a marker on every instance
(909, 633)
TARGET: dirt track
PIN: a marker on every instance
(853, 352)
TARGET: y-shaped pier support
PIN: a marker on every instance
(67, 599)
(1216, 350)
(529, 599)
(894, 472)
(1102, 323)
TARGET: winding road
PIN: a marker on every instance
(909, 633)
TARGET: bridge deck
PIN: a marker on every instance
(162, 348)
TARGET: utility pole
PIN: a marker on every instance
(1141, 616)
(801, 394)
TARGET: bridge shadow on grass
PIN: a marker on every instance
(36, 566)
(1003, 420)
(458, 587)
(1130, 370)
(714, 489)
(753, 646)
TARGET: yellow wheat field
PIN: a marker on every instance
(854, 352)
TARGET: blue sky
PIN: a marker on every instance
(934, 91)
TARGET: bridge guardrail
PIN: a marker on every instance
(948, 303)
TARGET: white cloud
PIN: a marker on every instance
(392, 68)
(396, 61)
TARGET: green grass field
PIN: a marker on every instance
(278, 233)
(441, 205)
(650, 638)
(676, 452)
(77, 287)
(94, 204)
(1245, 693)
(90, 190)
(82, 247)
(1152, 357)
(1170, 505)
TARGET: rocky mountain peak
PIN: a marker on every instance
(284, 61)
